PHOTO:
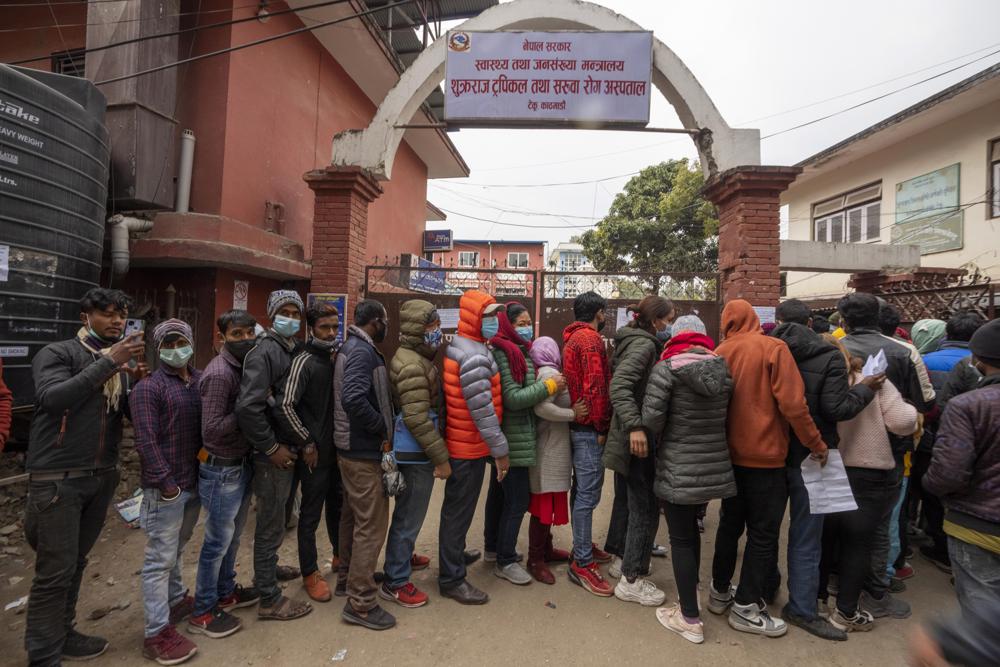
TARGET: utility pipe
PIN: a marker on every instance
(120, 227)
(184, 168)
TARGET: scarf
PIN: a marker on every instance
(510, 343)
(684, 341)
(98, 346)
(545, 352)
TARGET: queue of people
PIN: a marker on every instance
(680, 419)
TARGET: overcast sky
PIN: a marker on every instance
(760, 62)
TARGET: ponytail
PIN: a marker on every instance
(650, 308)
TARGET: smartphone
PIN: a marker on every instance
(132, 326)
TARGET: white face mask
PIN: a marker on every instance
(178, 357)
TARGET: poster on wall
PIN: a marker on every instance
(241, 291)
(548, 78)
(930, 195)
(933, 235)
(338, 301)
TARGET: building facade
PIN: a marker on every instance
(928, 176)
(481, 264)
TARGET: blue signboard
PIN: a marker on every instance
(338, 301)
(431, 282)
(438, 240)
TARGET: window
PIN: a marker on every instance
(71, 63)
(994, 176)
(466, 258)
(517, 260)
(854, 217)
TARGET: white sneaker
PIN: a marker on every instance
(672, 619)
(615, 569)
(641, 590)
(755, 619)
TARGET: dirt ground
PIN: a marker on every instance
(535, 624)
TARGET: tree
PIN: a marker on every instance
(658, 224)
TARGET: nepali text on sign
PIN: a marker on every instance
(548, 77)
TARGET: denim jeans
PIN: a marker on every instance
(168, 526)
(977, 574)
(618, 525)
(271, 486)
(589, 473)
(643, 517)
(685, 542)
(758, 506)
(225, 496)
(805, 547)
(461, 494)
(315, 485)
(895, 531)
(877, 583)
(407, 518)
(62, 523)
(506, 504)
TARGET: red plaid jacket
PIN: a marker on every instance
(585, 366)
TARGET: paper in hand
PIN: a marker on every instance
(875, 365)
(827, 486)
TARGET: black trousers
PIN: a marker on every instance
(319, 487)
(643, 517)
(62, 523)
(685, 543)
(461, 494)
(931, 509)
(618, 526)
(757, 507)
(506, 504)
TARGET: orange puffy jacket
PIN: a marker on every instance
(472, 387)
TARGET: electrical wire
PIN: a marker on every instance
(136, 20)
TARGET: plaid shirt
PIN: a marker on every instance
(166, 414)
(220, 387)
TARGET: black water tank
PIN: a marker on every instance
(53, 192)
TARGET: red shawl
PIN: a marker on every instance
(684, 341)
(511, 344)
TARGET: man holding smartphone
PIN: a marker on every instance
(81, 388)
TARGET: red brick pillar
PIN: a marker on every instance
(748, 203)
(340, 229)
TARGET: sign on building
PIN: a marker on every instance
(548, 78)
(927, 211)
(438, 240)
(427, 281)
(338, 301)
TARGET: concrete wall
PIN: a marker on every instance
(963, 140)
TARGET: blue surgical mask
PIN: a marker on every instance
(285, 326)
(664, 335)
(527, 333)
(178, 357)
(433, 338)
(490, 327)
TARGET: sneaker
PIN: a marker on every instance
(862, 621)
(375, 618)
(79, 646)
(240, 597)
(491, 557)
(589, 577)
(512, 572)
(755, 619)
(897, 585)
(316, 587)
(672, 619)
(718, 602)
(905, 572)
(641, 590)
(419, 562)
(615, 569)
(215, 624)
(659, 551)
(181, 610)
(599, 555)
(168, 647)
(407, 595)
(940, 561)
(817, 627)
(888, 606)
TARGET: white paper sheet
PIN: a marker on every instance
(875, 365)
(449, 318)
(828, 488)
(623, 318)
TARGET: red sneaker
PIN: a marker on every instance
(590, 578)
(419, 562)
(169, 647)
(905, 572)
(600, 555)
(406, 595)
(181, 610)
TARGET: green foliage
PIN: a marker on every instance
(658, 224)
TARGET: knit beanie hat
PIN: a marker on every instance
(172, 326)
(688, 323)
(279, 298)
(985, 343)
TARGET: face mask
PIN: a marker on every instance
(326, 345)
(433, 338)
(490, 327)
(240, 348)
(176, 358)
(600, 325)
(286, 326)
(527, 333)
(380, 332)
(90, 330)
(663, 335)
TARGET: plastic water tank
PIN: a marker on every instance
(53, 193)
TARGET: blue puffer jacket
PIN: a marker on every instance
(940, 362)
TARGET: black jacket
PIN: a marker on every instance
(304, 411)
(829, 394)
(363, 406)
(72, 428)
(263, 369)
(901, 372)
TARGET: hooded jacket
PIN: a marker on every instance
(768, 393)
(684, 410)
(363, 406)
(264, 367)
(942, 361)
(518, 416)
(473, 397)
(304, 411)
(585, 367)
(829, 394)
(635, 353)
(416, 385)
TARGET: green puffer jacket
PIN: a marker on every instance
(416, 383)
(519, 400)
(636, 351)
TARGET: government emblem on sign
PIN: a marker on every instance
(459, 41)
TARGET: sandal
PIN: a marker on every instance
(284, 609)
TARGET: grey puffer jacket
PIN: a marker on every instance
(685, 410)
